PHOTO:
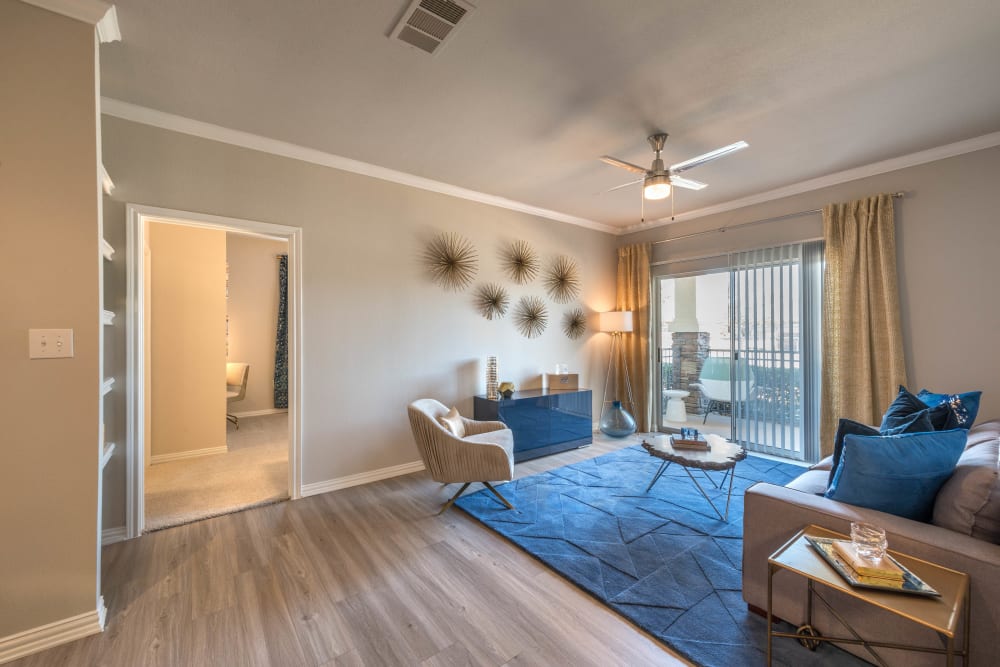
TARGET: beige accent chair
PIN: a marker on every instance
(485, 454)
(236, 387)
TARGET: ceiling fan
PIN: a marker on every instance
(657, 180)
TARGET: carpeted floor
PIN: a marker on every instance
(663, 560)
(253, 472)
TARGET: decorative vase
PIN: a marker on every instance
(506, 389)
(617, 422)
(491, 379)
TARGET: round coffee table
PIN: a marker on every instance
(722, 455)
(676, 411)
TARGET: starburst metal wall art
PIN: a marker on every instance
(492, 300)
(574, 323)
(530, 316)
(452, 261)
(520, 262)
(562, 281)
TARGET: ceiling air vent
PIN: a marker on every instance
(427, 24)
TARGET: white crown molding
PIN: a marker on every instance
(107, 27)
(894, 164)
(168, 121)
(88, 11)
(190, 454)
(53, 634)
(315, 488)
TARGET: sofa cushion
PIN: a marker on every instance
(964, 406)
(811, 481)
(898, 474)
(904, 409)
(916, 422)
(969, 502)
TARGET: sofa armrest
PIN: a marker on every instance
(474, 427)
(773, 514)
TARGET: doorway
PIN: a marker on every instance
(267, 436)
(738, 350)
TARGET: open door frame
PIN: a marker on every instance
(135, 372)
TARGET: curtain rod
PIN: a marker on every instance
(895, 195)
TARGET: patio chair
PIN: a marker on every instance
(716, 387)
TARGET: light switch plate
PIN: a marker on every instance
(50, 343)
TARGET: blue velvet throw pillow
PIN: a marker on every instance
(917, 422)
(902, 409)
(964, 406)
(897, 474)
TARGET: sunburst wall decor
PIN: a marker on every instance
(574, 323)
(530, 316)
(520, 262)
(492, 300)
(452, 261)
(562, 281)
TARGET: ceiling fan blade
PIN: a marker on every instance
(707, 157)
(615, 162)
(623, 185)
(679, 182)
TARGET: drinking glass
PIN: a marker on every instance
(869, 540)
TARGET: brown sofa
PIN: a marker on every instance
(772, 514)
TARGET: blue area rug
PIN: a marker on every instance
(664, 560)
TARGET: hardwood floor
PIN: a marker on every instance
(363, 576)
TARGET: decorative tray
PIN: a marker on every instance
(911, 583)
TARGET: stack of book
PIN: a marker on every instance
(697, 442)
(883, 569)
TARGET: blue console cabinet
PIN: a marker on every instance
(543, 421)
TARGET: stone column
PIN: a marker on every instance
(690, 348)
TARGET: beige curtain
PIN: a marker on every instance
(862, 338)
(634, 283)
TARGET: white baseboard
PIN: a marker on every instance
(47, 636)
(190, 454)
(260, 413)
(315, 488)
(112, 535)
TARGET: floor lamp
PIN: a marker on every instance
(616, 323)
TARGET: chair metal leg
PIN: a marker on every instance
(499, 495)
(234, 419)
(454, 498)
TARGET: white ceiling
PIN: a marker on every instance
(528, 93)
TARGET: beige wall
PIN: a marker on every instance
(253, 314)
(49, 274)
(947, 235)
(377, 334)
(187, 338)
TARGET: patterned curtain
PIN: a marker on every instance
(281, 339)
(863, 362)
(634, 282)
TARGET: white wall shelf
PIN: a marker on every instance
(107, 250)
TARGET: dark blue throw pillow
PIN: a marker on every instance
(964, 406)
(898, 474)
(915, 423)
(901, 411)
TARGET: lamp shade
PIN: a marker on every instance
(616, 320)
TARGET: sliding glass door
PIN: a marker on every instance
(738, 350)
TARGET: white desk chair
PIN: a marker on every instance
(236, 386)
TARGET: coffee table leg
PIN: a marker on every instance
(659, 473)
(729, 494)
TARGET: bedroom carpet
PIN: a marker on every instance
(253, 472)
(663, 560)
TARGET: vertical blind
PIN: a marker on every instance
(775, 314)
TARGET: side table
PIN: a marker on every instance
(940, 614)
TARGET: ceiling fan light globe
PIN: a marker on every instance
(656, 187)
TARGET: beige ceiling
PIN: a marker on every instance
(528, 93)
